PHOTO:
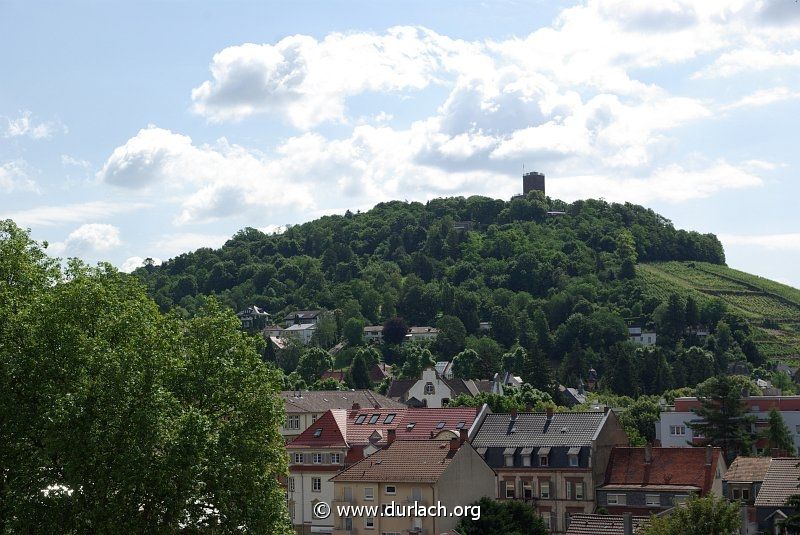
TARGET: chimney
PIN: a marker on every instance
(648, 453)
(392, 435)
(549, 413)
(513, 414)
(709, 455)
(356, 406)
(433, 434)
(627, 524)
(462, 435)
(606, 409)
(454, 444)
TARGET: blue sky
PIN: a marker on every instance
(132, 130)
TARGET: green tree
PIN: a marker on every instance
(417, 358)
(394, 330)
(452, 334)
(325, 333)
(354, 331)
(699, 516)
(314, 361)
(777, 434)
(359, 374)
(465, 364)
(503, 516)
(504, 328)
(489, 353)
(134, 422)
(723, 418)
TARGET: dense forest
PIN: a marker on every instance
(558, 283)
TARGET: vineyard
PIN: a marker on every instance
(773, 308)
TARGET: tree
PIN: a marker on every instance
(504, 329)
(700, 516)
(723, 418)
(503, 516)
(133, 421)
(417, 358)
(359, 374)
(489, 353)
(536, 371)
(313, 363)
(325, 332)
(465, 364)
(354, 331)
(452, 334)
(778, 435)
(394, 330)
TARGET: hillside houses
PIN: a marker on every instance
(433, 390)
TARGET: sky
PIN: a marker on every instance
(145, 129)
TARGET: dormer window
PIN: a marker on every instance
(544, 456)
(360, 419)
(429, 389)
(389, 418)
(374, 418)
(460, 425)
(440, 425)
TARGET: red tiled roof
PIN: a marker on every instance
(422, 461)
(684, 467)
(436, 420)
(360, 433)
(331, 428)
(331, 374)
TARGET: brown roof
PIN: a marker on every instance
(417, 461)
(749, 469)
(322, 400)
(591, 524)
(329, 431)
(675, 467)
(780, 482)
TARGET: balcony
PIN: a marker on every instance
(342, 500)
(422, 502)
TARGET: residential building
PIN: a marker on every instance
(379, 371)
(780, 483)
(641, 337)
(445, 369)
(253, 317)
(505, 379)
(272, 331)
(303, 332)
(409, 472)
(336, 375)
(422, 334)
(551, 460)
(373, 334)
(431, 389)
(303, 317)
(650, 480)
(741, 483)
(304, 407)
(572, 396)
(673, 431)
(593, 524)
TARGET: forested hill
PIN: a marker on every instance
(416, 260)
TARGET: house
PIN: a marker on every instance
(445, 369)
(341, 437)
(379, 371)
(373, 334)
(594, 524)
(430, 390)
(572, 396)
(302, 332)
(505, 379)
(303, 317)
(552, 461)
(253, 317)
(780, 483)
(271, 331)
(673, 431)
(485, 326)
(741, 483)
(303, 407)
(335, 375)
(422, 334)
(412, 473)
(640, 337)
(649, 480)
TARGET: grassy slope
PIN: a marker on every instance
(755, 298)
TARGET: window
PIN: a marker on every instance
(578, 491)
(745, 494)
(527, 490)
(741, 494)
(390, 489)
(460, 425)
(544, 490)
(314, 418)
(429, 389)
(290, 484)
(681, 499)
(316, 484)
(568, 490)
(347, 523)
(369, 522)
(374, 418)
(298, 458)
(510, 489)
(336, 458)
(543, 460)
(509, 460)
(389, 418)
(677, 430)
(293, 422)
(369, 494)
(317, 458)
(546, 519)
(797, 429)
(653, 499)
(440, 425)
(291, 511)
(360, 419)
(317, 432)
(616, 499)
(526, 460)
(573, 460)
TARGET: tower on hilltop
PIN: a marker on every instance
(532, 181)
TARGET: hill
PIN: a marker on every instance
(561, 281)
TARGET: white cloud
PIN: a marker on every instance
(764, 97)
(134, 262)
(772, 242)
(171, 245)
(750, 59)
(69, 161)
(23, 125)
(71, 213)
(88, 238)
(15, 175)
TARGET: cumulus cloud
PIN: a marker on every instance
(764, 97)
(15, 175)
(772, 242)
(24, 125)
(71, 213)
(134, 262)
(88, 238)
(70, 161)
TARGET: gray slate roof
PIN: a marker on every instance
(322, 400)
(780, 482)
(533, 429)
(591, 524)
